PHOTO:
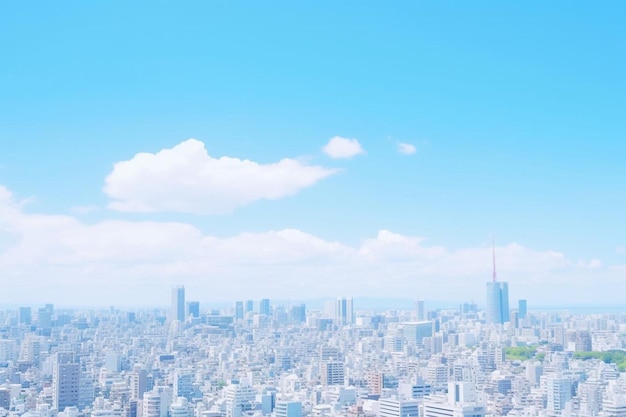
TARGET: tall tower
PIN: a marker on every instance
(344, 310)
(65, 381)
(497, 297)
(264, 307)
(421, 312)
(177, 309)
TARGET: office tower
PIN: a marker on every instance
(415, 332)
(65, 381)
(521, 309)
(183, 383)
(44, 318)
(288, 409)
(239, 314)
(559, 393)
(421, 312)
(249, 306)
(177, 309)
(193, 309)
(264, 306)
(24, 315)
(138, 383)
(497, 302)
(497, 298)
(392, 407)
(344, 311)
(298, 313)
(333, 373)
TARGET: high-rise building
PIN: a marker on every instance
(183, 383)
(298, 313)
(138, 383)
(249, 306)
(497, 298)
(498, 302)
(177, 308)
(65, 381)
(44, 318)
(522, 309)
(559, 392)
(239, 314)
(421, 312)
(24, 314)
(344, 310)
(333, 373)
(415, 332)
(264, 307)
(193, 309)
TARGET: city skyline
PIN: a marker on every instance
(373, 150)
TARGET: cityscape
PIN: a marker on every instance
(258, 359)
(279, 208)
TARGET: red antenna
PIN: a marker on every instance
(493, 248)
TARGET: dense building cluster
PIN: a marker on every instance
(259, 359)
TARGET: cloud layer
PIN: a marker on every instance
(187, 179)
(343, 148)
(55, 258)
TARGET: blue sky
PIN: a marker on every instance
(516, 113)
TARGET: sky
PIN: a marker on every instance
(296, 150)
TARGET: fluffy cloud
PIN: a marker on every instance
(55, 258)
(343, 148)
(406, 148)
(187, 179)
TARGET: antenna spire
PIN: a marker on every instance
(493, 251)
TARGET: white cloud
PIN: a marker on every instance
(187, 179)
(343, 148)
(84, 209)
(406, 148)
(43, 256)
(621, 249)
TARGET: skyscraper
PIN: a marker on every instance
(24, 315)
(522, 307)
(344, 310)
(177, 311)
(264, 306)
(421, 312)
(193, 309)
(239, 310)
(498, 302)
(65, 381)
(497, 298)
